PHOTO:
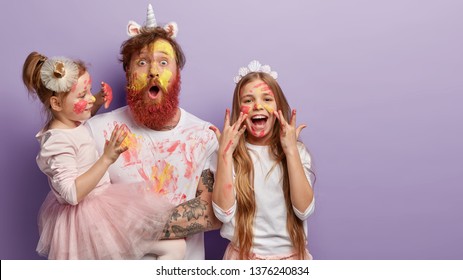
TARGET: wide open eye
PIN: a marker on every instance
(164, 63)
(142, 62)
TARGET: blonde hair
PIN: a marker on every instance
(246, 204)
(33, 82)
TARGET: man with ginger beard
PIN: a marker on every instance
(169, 148)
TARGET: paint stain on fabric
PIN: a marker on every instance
(173, 147)
(132, 141)
(188, 160)
(79, 107)
(161, 176)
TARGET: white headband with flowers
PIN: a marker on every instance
(134, 28)
(255, 66)
(59, 74)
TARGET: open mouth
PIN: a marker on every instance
(259, 120)
(153, 92)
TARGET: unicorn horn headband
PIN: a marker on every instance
(255, 66)
(134, 28)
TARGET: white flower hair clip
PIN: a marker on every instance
(134, 28)
(59, 74)
(255, 66)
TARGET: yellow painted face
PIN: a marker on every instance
(157, 60)
(163, 48)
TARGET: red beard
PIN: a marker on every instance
(154, 116)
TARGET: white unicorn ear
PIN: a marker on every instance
(172, 29)
(133, 28)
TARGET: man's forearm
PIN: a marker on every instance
(196, 215)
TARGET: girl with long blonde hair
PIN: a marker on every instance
(263, 191)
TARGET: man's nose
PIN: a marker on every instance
(154, 72)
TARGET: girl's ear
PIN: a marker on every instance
(55, 103)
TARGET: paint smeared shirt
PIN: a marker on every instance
(171, 161)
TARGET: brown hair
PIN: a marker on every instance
(33, 81)
(146, 37)
(246, 206)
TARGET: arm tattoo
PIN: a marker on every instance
(192, 216)
(193, 211)
(208, 179)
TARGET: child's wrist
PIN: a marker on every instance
(106, 160)
(225, 153)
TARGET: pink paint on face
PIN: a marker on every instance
(245, 109)
(80, 106)
(73, 88)
(260, 85)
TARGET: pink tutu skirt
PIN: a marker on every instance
(112, 222)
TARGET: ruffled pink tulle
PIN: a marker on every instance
(112, 222)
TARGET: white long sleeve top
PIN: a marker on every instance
(270, 234)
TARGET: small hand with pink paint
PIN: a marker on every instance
(113, 147)
(104, 96)
(288, 131)
(228, 139)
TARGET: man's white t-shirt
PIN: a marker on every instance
(171, 161)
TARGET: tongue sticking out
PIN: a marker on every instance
(153, 92)
(259, 123)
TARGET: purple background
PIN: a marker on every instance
(379, 84)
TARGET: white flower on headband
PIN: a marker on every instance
(134, 28)
(59, 74)
(255, 66)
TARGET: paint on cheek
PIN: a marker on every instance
(269, 109)
(138, 81)
(79, 107)
(245, 109)
(164, 79)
